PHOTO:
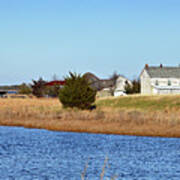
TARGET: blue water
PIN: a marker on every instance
(31, 154)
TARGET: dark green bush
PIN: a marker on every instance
(77, 92)
(134, 88)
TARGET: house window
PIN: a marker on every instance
(157, 83)
(169, 83)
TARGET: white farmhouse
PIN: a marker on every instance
(160, 80)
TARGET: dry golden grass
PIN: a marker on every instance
(48, 114)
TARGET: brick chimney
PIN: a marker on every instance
(146, 66)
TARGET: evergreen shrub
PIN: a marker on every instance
(77, 92)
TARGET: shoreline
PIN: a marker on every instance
(71, 126)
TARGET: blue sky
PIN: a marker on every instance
(47, 37)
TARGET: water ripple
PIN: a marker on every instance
(39, 154)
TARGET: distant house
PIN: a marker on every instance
(120, 85)
(56, 82)
(160, 80)
(107, 87)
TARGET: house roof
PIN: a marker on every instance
(97, 83)
(52, 83)
(163, 72)
(91, 76)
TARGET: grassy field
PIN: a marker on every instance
(131, 115)
(143, 103)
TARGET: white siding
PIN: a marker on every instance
(164, 81)
(166, 91)
(120, 86)
(145, 83)
(121, 83)
(150, 86)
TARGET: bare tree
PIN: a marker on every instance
(114, 77)
(38, 87)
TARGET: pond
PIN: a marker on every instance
(46, 155)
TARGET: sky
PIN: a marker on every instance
(47, 37)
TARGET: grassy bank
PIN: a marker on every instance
(131, 115)
(143, 103)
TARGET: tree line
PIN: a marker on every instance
(39, 88)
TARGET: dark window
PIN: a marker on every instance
(157, 83)
(169, 83)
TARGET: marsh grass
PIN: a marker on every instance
(103, 169)
(131, 115)
(102, 173)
